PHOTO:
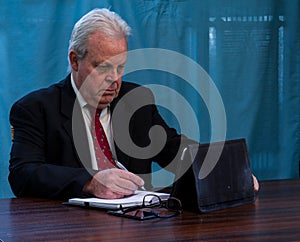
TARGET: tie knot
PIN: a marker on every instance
(98, 112)
(95, 112)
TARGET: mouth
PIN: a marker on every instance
(109, 92)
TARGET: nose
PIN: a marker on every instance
(113, 75)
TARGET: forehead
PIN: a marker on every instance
(102, 47)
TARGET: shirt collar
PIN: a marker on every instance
(80, 98)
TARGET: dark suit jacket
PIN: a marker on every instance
(49, 160)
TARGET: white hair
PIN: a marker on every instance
(98, 20)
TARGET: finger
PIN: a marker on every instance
(108, 194)
(95, 187)
(127, 185)
(115, 188)
(126, 175)
(124, 182)
(255, 182)
(123, 186)
(117, 181)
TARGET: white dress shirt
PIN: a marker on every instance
(105, 119)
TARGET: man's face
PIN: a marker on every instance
(98, 75)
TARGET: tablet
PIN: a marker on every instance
(228, 184)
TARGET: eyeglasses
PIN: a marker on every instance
(153, 206)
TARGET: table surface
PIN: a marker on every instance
(275, 215)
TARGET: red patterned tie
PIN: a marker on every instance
(102, 150)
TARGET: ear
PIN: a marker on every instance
(73, 60)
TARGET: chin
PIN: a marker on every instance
(105, 102)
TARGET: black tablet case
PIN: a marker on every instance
(229, 184)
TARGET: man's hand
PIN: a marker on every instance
(256, 184)
(113, 183)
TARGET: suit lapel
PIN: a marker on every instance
(73, 123)
(67, 102)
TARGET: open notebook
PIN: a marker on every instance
(113, 204)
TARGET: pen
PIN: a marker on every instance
(121, 166)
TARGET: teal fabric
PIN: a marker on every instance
(251, 50)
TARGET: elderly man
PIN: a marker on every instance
(46, 160)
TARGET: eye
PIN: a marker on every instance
(121, 69)
(103, 68)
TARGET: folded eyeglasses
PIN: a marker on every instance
(154, 206)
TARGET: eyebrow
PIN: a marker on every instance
(109, 63)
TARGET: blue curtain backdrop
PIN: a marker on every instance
(251, 49)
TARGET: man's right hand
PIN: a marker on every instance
(113, 183)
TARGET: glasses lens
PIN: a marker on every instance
(163, 212)
(174, 204)
(151, 200)
(152, 204)
(141, 213)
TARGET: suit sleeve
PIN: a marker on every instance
(31, 173)
(149, 116)
(172, 149)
